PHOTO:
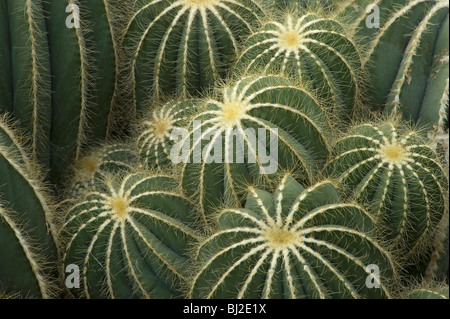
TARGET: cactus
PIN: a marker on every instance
(25, 63)
(313, 49)
(424, 293)
(392, 169)
(108, 159)
(130, 237)
(245, 113)
(296, 243)
(154, 131)
(407, 58)
(28, 252)
(83, 75)
(185, 46)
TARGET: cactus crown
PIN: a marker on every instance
(281, 246)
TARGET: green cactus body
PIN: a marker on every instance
(6, 85)
(26, 71)
(28, 250)
(106, 160)
(185, 46)
(398, 175)
(83, 73)
(312, 49)
(235, 123)
(407, 59)
(296, 243)
(154, 141)
(131, 238)
(440, 293)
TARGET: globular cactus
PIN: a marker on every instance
(185, 46)
(130, 238)
(258, 127)
(391, 168)
(113, 158)
(407, 57)
(155, 129)
(312, 48)
(28, 256)
(296, 243)
(83, 62)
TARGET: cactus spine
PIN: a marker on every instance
(296, 243)
(154, 141)
(315, 50)
(394, 170)
(185, 46)
(27, 225)
(245, 113)
(131, 237)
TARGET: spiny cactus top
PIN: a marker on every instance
(429, 293)
(130, 238)
(311, 48)
(185, 46)
(154, 141)
(296, 243)
(107, 159)
(398, 174)
(28, 250)
(255, 129)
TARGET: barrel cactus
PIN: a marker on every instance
(27, 227)
(112, 158)
(154, 132)
(314, 49)
(390, 167)
(130, 238)
(296, 243)
(258, 127)
(185, 46)
(407, 57)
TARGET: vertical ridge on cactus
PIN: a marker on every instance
(139, 230)
(28, 254)
(29, 70)
(6, 83)
(296, 243)
(83, 63)
(245, 113)
(407, 58)
(185, 46)
(399, 176)
(313, 49)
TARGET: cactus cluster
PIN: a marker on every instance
(224, 149)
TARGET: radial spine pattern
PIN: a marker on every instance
(257, 128)
(398, 175)
(130, 238)
(154, 141)
(296, 243)
(312, 49)
(185, 46)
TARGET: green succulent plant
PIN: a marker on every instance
(314, 49)
(185, 46)
(130, 238)
(27, 225)
(407, 58)
(394, 171)
(296, 243)
(232, 138)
